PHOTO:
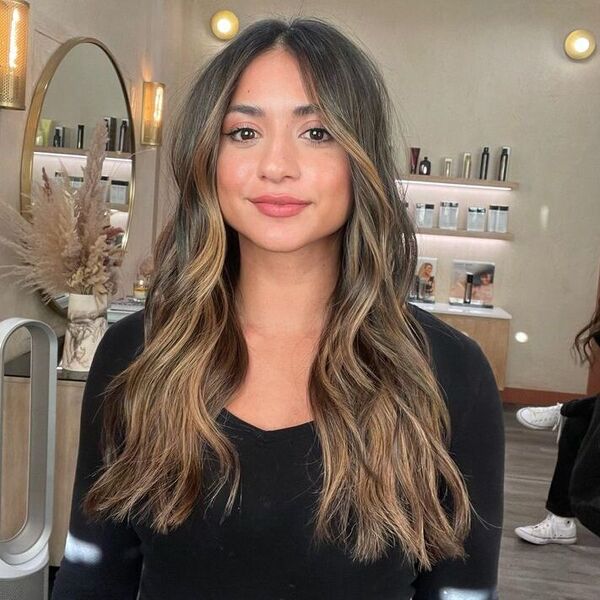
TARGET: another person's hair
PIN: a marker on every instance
(588, 334)
(383, 426)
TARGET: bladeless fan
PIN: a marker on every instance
(24, 556)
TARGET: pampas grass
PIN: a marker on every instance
(68, 246)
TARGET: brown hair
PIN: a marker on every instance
(584, 338)
(378, 412)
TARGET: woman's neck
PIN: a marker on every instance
(286, 294)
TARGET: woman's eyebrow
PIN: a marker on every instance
(303, 110)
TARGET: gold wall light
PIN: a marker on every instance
(224, 24)
(580, 44)
(152, 113)
(14, 26)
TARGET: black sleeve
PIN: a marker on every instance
(477, 447)
(102, 559)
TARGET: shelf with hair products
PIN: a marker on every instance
(470, 208)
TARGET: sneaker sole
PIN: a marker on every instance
(531, 425)
(543, 541)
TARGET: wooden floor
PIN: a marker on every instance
(527, 571)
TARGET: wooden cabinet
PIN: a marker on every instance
(489, 327)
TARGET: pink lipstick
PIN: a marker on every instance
(279, 206)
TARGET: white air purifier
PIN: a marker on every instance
(24, 556)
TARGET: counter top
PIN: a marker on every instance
(443, 308)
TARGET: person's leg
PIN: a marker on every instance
(559, 525)
(572, 435)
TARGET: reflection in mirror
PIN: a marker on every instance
(80, 85)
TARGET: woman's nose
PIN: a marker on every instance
(279, 158)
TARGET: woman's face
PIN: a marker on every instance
(275, 150)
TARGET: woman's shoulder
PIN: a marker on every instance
(457, 360)
(122, 343)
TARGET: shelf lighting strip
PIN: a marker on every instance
(60, 154)
(458, 185)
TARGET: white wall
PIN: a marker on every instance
(469, 73)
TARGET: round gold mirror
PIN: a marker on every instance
(80, 86)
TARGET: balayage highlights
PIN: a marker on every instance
(388, 479)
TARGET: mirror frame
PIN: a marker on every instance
(31, 126)
(35, 111)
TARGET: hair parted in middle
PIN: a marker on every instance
(387, 477)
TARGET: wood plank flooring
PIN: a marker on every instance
(527, 571)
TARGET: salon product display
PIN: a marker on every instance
(423, 288)
(476, 218)
(465, 167)
(80, 135)
(468, 289)
(425, 167)
(484, 162)
(414, 159)
(424, 215)
(498, 219)
(472, 283)
(448, 217)
(447, 167)
(503, 164)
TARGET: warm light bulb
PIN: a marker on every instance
(521, 337)
(580, 44)
(13, 47)
(224, 24)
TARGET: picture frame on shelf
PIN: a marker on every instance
(476, 290)
(424, 281)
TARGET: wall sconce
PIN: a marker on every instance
(14, 26)
(152, 113)
(224, 24)
(580, 44)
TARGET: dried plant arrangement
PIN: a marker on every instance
(69, 245)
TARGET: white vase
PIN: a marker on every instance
(86, 324)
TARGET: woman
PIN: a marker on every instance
(274, 427)
(575, 486)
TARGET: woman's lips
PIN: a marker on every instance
(279, 206)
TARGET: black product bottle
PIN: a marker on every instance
(56, 141)
(468, 289)
(485, 160)
(80, 130)
(425, 167)
(503, 166)
(123, 133)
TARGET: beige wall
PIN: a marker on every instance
(463, 74)
(469, 73)
(136, 33)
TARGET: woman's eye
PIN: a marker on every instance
(317, 134)
(242, 134)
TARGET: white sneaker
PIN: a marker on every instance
(540, 417)
(552, 530)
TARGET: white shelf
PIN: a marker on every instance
(487, 235)
(76, 152)
(480, 184)
(444, 308)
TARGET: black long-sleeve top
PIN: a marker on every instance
(263, 551)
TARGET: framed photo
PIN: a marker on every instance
(423, 288)
(472, 283)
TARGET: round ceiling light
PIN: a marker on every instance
(580, 44)
(224, 24)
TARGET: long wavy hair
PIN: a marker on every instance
(382, 424)
(582, 345)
